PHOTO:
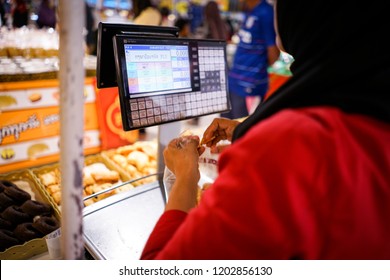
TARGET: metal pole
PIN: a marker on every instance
(71, 76)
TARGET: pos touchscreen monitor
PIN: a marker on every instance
(164, 80)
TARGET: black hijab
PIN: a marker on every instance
(340, 55)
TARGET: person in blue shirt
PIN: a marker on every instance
(256, 51)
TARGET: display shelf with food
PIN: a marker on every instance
(117, 227)
(27, 216)
(98, 175)
(32, 54)
(135, 160)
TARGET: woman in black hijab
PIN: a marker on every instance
(340, 59)
(307, 175)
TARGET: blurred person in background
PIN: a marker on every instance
(166, 17)
(256, 51)
(145, 13)
(216, 26)
(20, 13)
(46, 14)
(307, 174)
(91, 30)
(3, 13)
(184, 27)
(195, 15)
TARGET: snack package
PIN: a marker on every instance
(168, 180)
(208, 168)
(53, 242)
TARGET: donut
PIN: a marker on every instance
(17, 194)
(4, 224)
(4, 184)
(7, 239)
(46, 225)
(34, 208)
(15, 215)
(25, 232)
(5, 201)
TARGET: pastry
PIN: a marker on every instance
(107, 176)
(88, 179)
(120, 160)
(5, 201)
(57, 197)
(125, 150)
(25, 186)
(15, 215)
(7, 239)
(53, 188)
(138, 159)
(46, 225)
(48, 178)
(132, 170)
(35, 208)
(4, 224)
(99, 188)
(6, 184)
(25, 232)
(148, 147)
(18, 195)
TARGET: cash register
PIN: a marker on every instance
(161, 80)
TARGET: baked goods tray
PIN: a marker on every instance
(119, 226)
(36, 246)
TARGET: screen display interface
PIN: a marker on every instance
(157, 68)
(168, 80)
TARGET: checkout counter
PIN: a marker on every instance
(162, 80)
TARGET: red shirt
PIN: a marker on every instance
(311, 183)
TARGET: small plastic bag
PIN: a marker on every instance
(53, 242)
(208, 168)
(168, 180)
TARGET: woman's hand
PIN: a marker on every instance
(181, 156)
(219, 129)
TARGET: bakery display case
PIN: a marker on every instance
(98, 175)
(161, 81)
(27, 215)
(122, 177)
(118, 227)
(31, 154)
(30, 133)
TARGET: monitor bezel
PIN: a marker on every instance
(105, 69)
(119, 55)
